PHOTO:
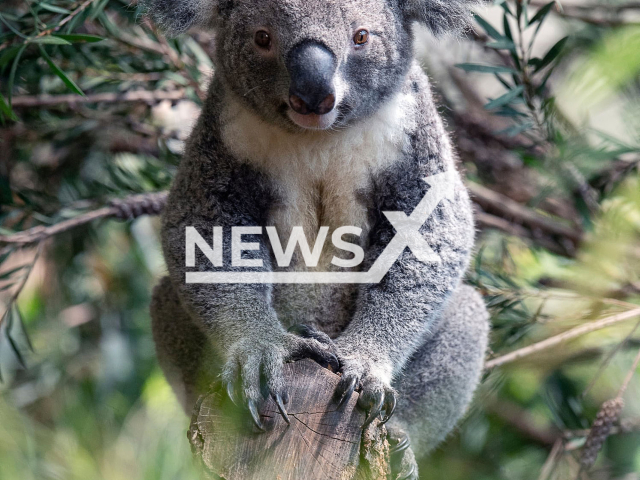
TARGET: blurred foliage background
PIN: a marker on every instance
(543, 103)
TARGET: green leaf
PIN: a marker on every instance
(6, 110)
(476, 67)
(507, 28)
(492, 32)
(49, 40)
(53, 8)
(80, 38)
(12, 73)
(504, 99)
(63, 76)
(552, 54)
(9, 54)
(505, 7)
(542, 13)
(502, 45)
(97, 9)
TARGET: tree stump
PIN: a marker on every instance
(322, 442)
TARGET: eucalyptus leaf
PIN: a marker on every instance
(54, 8)
(505, 44)
(6, 110)
(504, 99)
(63, 76)
(476, 67)
(49, 40)
(542, 13)
(552, 54)
(491, 31)
(79, 37)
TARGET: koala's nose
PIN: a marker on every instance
(311, 68)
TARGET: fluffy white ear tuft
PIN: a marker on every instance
(442, 16)
(177, 16)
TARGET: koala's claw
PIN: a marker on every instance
(389, 407)
(401, 446)
(253, 409)
(409, 475)
(375, 411)
(377, 400)
(254, 369)
(376, 395)
(231, 393)
(278, 399)
(345, 389)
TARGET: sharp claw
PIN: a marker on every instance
(232, 395)
(409, 474)
(401, 446)
(346, 394)
(285, 397)
(254, 414)
(390, 407)
(283, 411)
(375, 411)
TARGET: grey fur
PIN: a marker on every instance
(418, 331)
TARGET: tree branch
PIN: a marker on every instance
(126, 208)
(144, 96)
(561, 338)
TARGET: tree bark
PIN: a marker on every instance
(322, 442)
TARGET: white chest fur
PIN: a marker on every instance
(319, 173)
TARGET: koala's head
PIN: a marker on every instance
(312, 64)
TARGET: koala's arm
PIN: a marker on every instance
(213, 189)
(394, 317)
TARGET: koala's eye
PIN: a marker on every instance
(361, 37)
(262, 39)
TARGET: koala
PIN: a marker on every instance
(317, 115)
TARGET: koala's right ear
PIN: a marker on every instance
(177, 16)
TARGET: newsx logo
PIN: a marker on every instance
(407, 235)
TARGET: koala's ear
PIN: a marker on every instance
(177, 16)
(442, 16)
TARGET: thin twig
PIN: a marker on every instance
(602, 367)
(629, 376)
(561, 338)
(550, 463)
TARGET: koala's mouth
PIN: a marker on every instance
(313, 121)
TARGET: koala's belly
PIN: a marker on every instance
(327, 307)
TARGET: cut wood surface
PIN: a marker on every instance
(322, 442)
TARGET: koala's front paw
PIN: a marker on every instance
(254, 368)
(376, 394)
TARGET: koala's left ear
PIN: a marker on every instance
(177, 16)
(441, 16)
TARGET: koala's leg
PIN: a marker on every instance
(181, 347)
(438, 382)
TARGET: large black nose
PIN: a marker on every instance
(311, 68)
